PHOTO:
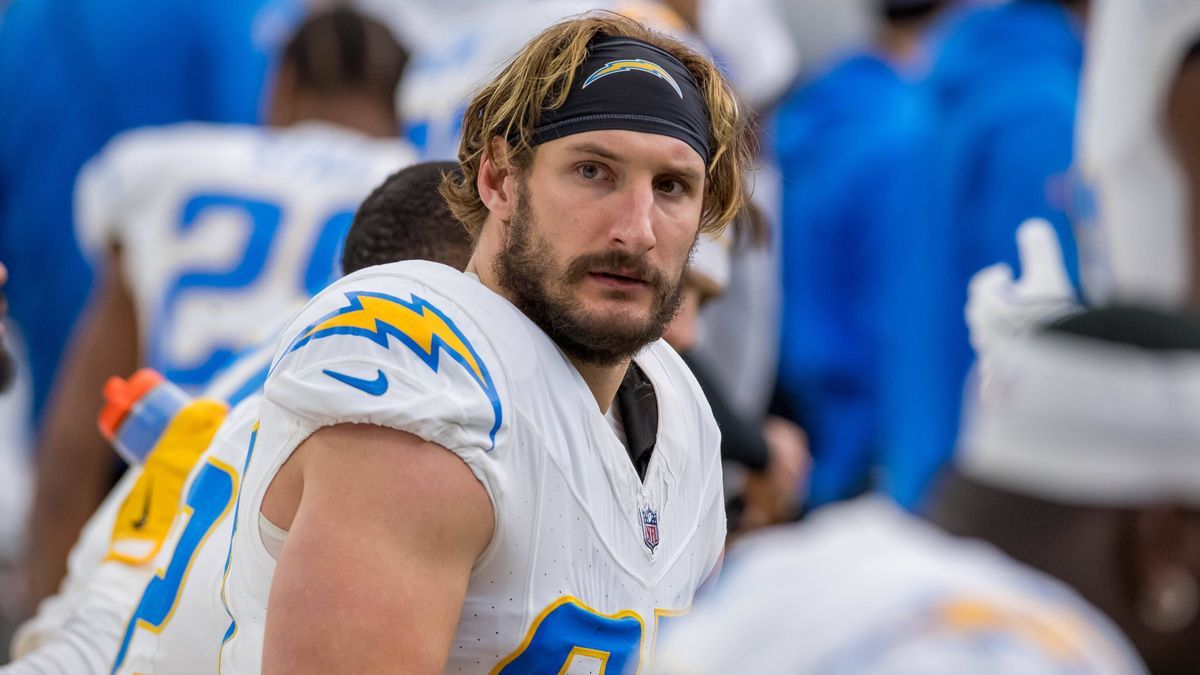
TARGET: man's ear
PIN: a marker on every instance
(496, 181)
(1164, 568)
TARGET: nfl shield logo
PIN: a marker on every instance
(650, 528)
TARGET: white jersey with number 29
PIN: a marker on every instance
(221, 225)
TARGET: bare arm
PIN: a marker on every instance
(74, 463)
(375, 568)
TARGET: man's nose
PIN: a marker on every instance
(633, 227)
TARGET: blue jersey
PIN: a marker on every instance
(854, 228)
(72, 74)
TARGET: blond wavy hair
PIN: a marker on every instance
(539, 78)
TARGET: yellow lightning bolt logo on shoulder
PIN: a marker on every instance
(633, 65)
(418, 325)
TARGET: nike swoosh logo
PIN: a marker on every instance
(375, 387)
(141, 522)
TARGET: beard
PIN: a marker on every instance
(541, 290)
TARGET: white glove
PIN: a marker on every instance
(1000, 309)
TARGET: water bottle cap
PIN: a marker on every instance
(121, 395)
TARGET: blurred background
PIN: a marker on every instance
(901, 144)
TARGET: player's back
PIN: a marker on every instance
(221, 226)
(865, 588)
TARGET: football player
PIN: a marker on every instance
(764, 466)
(506, 470)
(107, 618)
(205, 230)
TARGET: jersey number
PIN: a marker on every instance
(570, 637)
(263, 218)
(208, 500)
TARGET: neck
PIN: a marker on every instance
(352, 112)
(602, 381)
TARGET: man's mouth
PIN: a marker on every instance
(618, 279)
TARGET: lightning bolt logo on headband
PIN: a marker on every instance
(633, 65)
(417, 325)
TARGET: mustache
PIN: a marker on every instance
(617, 262)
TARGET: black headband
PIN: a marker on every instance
(625, 83)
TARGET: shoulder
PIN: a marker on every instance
(347, 147)
(410, 345)
(148, 144)
(412, 287)
(135, 161)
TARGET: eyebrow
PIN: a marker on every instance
(593, 149)
(679, 170)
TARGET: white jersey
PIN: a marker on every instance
(222, 225)
(87, 626)
(76, 629)
(586, 559)
(179, 621)
(866, 588)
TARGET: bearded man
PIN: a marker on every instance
(506, 469)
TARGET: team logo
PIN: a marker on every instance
(633, 65)
(414, 323)
(650, 528)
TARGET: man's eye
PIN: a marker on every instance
(589, 171)
(672, 186)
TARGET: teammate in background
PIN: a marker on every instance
(1076, 463)
(204, 230)
(406, 219)
(88, 626)
(1080, 457)
(764, 466)
(1006, 82)
(854, 269)
(119, 66)
(442, 452)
